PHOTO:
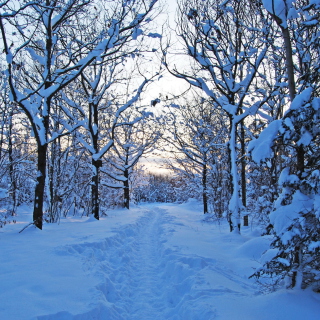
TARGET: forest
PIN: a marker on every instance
(79, 112)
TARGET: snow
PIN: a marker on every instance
(286, 178)
(268, 255)
(154, 35)
(306, 138)
(301, 99)
(104, 149)
(3, 193)
(314, 245)
(159, 261)
(36, 57)
(283, 216)
(261, 148)
(9, 57)
(285, 262)
(113, 185)
(316, 203)
(292, 14)
(279, 8)
(230, 108)
(136, 33)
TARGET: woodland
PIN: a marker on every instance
(78, 113)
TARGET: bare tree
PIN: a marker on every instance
(223, 42)
(196, 131)
(135, 138)
(41, 41)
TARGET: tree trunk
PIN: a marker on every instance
(51, 183)
(204, 188)
(95, 189)
(243, 166)
(297, 275)
(11, 168)
(54, 173)
(230, 189)
(2, 133)
(96, 164)
(292, 90)
(289, 62)
(300, 160)
(40, 186)
(126, 191)
(234, 204)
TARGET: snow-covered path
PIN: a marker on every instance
(144, 297)
(140, 292)
(144, 273)
(145, 279)
(157, 262)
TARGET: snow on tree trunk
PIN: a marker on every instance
(235, 202)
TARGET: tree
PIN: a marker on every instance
(196, 132)
(295, 218)
(102, 111)
(224, 42)
(135, 138)
(52, 50)
(15, 160)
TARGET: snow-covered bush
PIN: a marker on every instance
(295, 219)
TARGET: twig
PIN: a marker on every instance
(26, 226)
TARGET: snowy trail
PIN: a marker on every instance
(154, 262)
(142, 292)
(142, 279)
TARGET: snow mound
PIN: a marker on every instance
(254, 248)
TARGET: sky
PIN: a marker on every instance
(168, 85)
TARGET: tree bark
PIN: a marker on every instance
(289, 62)
(95, 190)
(204, 188)
(296, 279)
(297, 275)
(234, 204)
(96, 164)
(243, 166)
(40, 186)
(51, 182)
(126, 191)
(11, 167)
(300, 160)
